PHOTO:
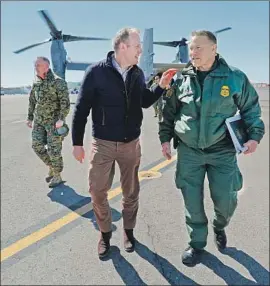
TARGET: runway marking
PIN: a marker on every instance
(18, 121)
(12, 122)
(59, 223)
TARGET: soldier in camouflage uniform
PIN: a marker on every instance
(49, 105)
(158, 104)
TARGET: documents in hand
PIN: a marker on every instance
(238, 132)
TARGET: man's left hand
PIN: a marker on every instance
(59, 123)
(167, 77)
(252, 146)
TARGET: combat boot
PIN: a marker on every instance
(191, 256)
(50, 175)
(104, 244)
(129, 240)
(56, 180)
(220, 239)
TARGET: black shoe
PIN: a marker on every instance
(48, 179)
(104, 244)
(50, 175)
(220, 239)
(129, 240)
(190, 256)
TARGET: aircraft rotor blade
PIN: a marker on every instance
(168, 44)
(70, 38)
(222, 30)
(184, 41)
(32, 46)
(47, 19)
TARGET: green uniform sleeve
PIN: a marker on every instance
(31, 105)
(63, 95)
(250, 111)
(166, 126)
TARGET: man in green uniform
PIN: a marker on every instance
(207, 92)
(49, 105)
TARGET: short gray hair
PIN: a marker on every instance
(208, 34)
(44, 59)
(122, 36)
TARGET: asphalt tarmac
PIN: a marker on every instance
(49, 236)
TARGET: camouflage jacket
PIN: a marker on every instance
(48, 100)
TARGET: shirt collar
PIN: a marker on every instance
(117, 66)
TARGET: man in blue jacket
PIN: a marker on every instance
(116, 92)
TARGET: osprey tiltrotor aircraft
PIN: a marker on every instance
(60, 63)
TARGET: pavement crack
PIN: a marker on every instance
(157, 259)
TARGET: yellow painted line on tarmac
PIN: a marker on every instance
(59, 223)
(163, 164)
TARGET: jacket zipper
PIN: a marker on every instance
(127, 103)
(201, 125)
(126, 96)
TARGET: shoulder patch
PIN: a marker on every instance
(169, 92)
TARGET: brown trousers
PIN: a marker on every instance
(102, 168)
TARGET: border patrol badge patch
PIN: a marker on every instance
(225, 91)
(169, 92)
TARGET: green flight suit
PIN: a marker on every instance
(48, 103)
(195, 117)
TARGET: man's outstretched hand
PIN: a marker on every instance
(167, 77)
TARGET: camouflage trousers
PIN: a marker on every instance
(48, 146)
(158, 106)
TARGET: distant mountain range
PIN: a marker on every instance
(26, 89)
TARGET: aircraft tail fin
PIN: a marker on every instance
(146, 62)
